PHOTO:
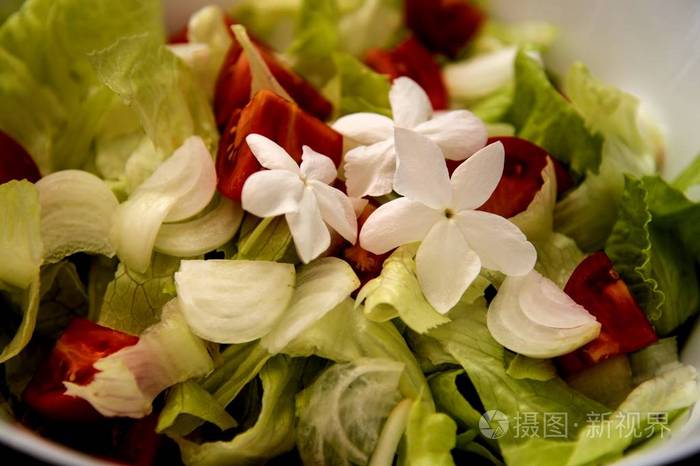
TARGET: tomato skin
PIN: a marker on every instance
(443, 26)
(282, 121)
(411, 59)
(624, 328)
(71, 360)
(233, 86)
(15, 162)
(522, 176)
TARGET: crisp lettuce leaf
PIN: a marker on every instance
(239, 365)
(396, 293)
(63, 297)
(689, 179)
(470, 342)
(655, 359)
(522, 367)
(355, 88)
(429, 438)
(132, 301)
(449, 400)
(21, 247)
(273, 21)
(54, 103)
(159, 88)
(8, 7)
(267, 239)
(273, 432)
(190, 399)
(541, 115)
(652, 262)
(29, 299)
(588, 213)
(341, 413)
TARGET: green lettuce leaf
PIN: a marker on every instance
(587, 214)
(268, 239)
(430, 437)
(132, 301)
(449, 400)
(470, 342)
(690, 177)
(54, 103)
(541, 115)
(20, 237)
(190, 399)
(654, 359)
(239, 365)
(495, 35)
(29, 299)
(159, 88)
(652, 261)
(273, 21)
(396, 292)
(355, 88)
(522, 367)
(273, 432)
(340, 415)
(345, 335)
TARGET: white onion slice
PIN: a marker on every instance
(320, 286)
(480, 76)
(181, 187)
(129, 380)
(202, 234)
(544, 303)
(77, 210)
(513, 328)
(233, 301)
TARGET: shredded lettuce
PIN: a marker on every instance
(448, 399)
(273, 432)
(132, 301)
(20, 238)
(190, 399)
(268, 239)
(53, 101)
(341, 413)
(541, 115)
(429, 438)
(396, 292)
(652, 261)
(587, 214)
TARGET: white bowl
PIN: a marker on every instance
(647, 47)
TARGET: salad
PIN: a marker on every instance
(333, 232)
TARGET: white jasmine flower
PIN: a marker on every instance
(301, 193)
(441, 212)
(369, 168)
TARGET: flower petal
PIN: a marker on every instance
(421, 172)
(476, 178)
(445, 265)
(369, 170)
(409, 103)
(270, 154)
(401, 221)
(365, 128)
(336, 210)
(310, 233)
(459, 133)
(499, 243)
(269, 193)
(316, 166)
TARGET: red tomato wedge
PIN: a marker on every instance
(596, 286)
(443, 26)
(234, 83)
(365, 264)
(278, 119)
(411, 59)
(15, 162)
(71, 360)
(522, 176)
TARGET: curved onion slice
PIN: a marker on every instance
(181, 187)
(77, 210)
(129, 380)
(512, 327)
(233, 301)
(320, 286)
(202, 234)
(480, 76)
